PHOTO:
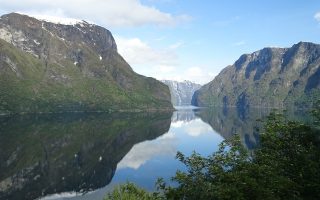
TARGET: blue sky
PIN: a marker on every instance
(188, 39)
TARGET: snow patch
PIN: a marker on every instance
(36, 42)
(59, 20)
(60, 38)
(5, 35)
(75, 63)
(55, 19)
(12, 66)
(100, 57)
(44, 28)
(80, 30)
(53, 35)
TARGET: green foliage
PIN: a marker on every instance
(129, 191)
(284, 166)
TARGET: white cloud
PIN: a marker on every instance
(197, 127)
(104, 12)
(317, 16)
(54, 18)
(147, 60)
(176, 45)
(162, 64)
(161, 1)
(142, 152)
(166, 69)
(193, 128)
(177, 124)
(194, 74)
(240, 43)
(194, 71)
(160, 38)
(197, 74)
(137, 52)
(226, 22)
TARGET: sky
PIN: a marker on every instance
(187, 39)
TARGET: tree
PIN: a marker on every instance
(129, 191)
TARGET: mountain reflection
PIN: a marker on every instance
(229, 121)
(52, 154)
(142, 152)
(246, 122)
(138, 154)
(49, 154)
(183, 115)
(149, 160)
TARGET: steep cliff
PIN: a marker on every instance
(181, 92)
(48, 67)
(271, 77)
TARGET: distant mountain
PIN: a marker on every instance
(181, 92)
(49, 67)
(271, 77)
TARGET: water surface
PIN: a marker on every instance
(83, 156)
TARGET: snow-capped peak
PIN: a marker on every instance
(56, 19)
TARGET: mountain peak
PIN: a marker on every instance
(270, 77)
(305, 45)
(25, 31)
(180, 81)
(54, 19)
(49, 18)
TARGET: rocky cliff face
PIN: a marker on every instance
(271, 77)
(181, 92)
(47, 67)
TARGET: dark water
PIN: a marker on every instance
(82, 156)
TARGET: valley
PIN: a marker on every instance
(133, 99)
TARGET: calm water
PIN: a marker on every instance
(82, 156)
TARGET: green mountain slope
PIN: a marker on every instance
(271, 77)
(47, 67)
